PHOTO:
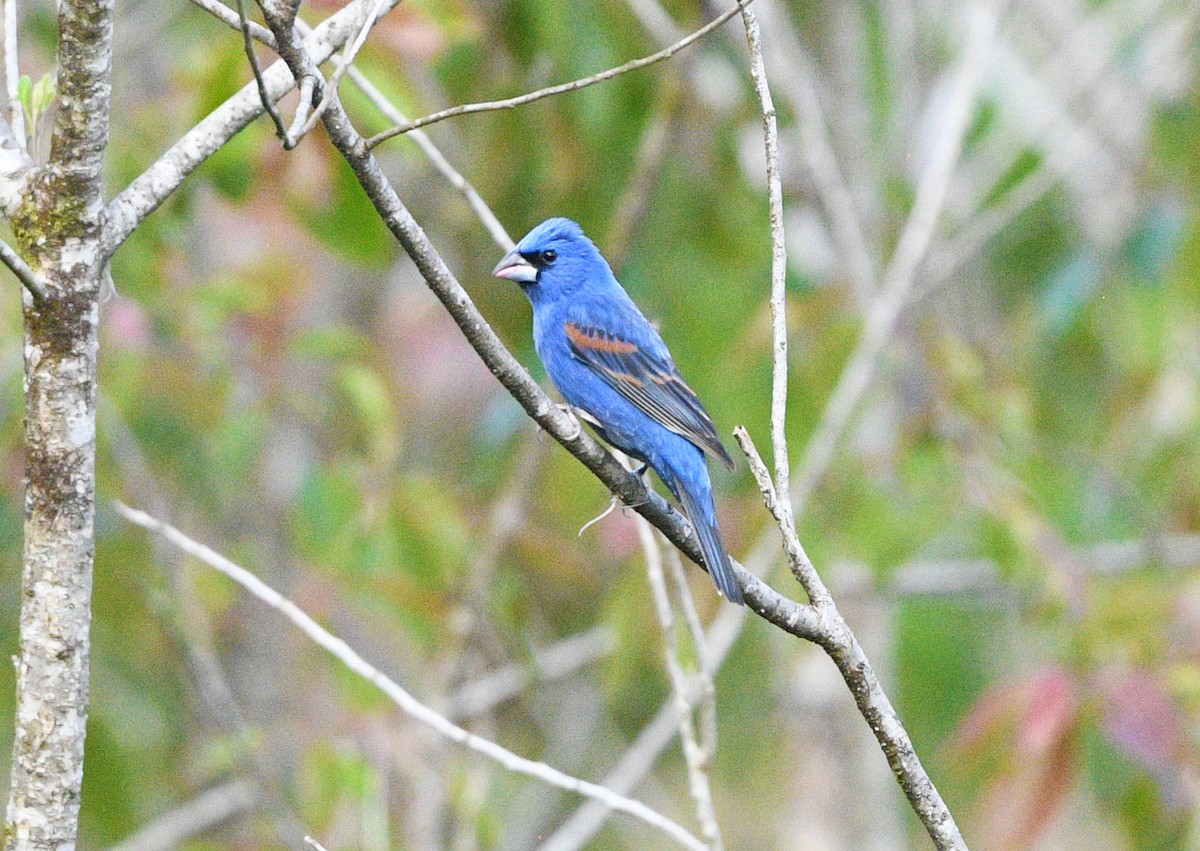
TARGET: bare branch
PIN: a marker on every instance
(346, 62)
(779, 343)
(153, 186)
(574, 85)
(693, 754)
(210, 808)
(21, 269)
(456, 179)
(405, 701)
(256, 69)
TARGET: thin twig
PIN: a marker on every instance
(248, 45)
(12, 72)
(574, 85)
(24, 274)
(154, 185)
(779, 342)
(693, 754)
(839, 641)
(405, 701)
(797, 558)
(303, 105)
(347, 62)
(489, 219)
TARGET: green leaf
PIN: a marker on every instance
(24, 87)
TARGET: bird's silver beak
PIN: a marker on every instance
(514, 267)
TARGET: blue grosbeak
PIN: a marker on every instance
(615, 371)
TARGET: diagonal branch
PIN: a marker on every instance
(405, 701)
(153, 186)
(256, 69)
(561, 88)
(784, 613)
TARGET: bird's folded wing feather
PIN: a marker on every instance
(648, 381)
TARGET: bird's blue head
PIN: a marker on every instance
(553, 260)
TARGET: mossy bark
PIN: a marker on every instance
(58, 228)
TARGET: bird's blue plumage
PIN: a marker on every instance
(609, 363)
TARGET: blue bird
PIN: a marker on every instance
(616, 373)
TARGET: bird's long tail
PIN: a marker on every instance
(697, 501)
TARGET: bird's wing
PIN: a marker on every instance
(649, 381)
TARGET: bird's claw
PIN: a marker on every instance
(578, 426)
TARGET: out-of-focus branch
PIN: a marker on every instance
(405, 701)
(693, 754)
(548, 664)
(263, 97)
(885, 311)
(207, 810)
(16, 169)
(21, 269)
(153, 186)
(792, 65)
(562, 88)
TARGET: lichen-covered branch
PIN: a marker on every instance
(57, 224)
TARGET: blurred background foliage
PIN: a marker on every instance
(1012, 521)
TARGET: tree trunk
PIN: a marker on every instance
(58, 229)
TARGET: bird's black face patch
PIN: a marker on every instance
(540, 259)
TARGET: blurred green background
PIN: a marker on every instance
(1012, 520)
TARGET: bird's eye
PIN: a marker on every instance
(549, 256)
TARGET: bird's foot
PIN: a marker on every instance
(576, 424)
(612, 505)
